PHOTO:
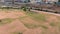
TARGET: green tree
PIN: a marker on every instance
(58, 0)
(24, 9)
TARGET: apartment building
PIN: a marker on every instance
(11, 3)
(8, 3)
(2, 3)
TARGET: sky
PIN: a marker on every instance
(2, 0)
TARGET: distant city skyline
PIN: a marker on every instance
(31, 0)
(17, 2)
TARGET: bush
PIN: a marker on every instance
(5, 7)
(24, 8)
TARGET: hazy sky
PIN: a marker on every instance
(2, 0)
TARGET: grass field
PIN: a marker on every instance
(15, 21)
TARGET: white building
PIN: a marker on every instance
(1, 0)
(2, 3)
(51, 1)
(34, 1)
(8, 3)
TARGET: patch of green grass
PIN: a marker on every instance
(17, 33)
(37, 16)
(28, 25)
(43, 32)
(31, 25)
(45, 27)
(59, 28)
(23, 17)
(58, 25)
(52, 24)
(5, 21)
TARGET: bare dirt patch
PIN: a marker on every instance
(10, 14)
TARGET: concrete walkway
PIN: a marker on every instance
(46, 12)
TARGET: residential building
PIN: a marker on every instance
(2, 3)
(8, 3)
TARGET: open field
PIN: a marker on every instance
(20, 22)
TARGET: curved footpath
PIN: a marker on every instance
(46, 12)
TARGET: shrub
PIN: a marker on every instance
(24, 9)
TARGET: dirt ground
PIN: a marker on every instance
(18, 25)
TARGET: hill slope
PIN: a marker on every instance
(20, 22)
